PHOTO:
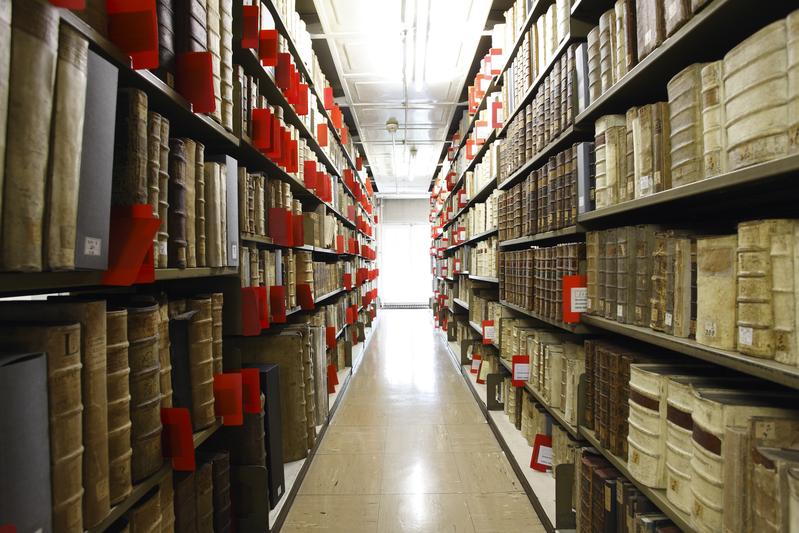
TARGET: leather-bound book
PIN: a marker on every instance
(130, 149)
(25, 496)
(226, 52)
(61, 344)
(201, 361)
(153, 160)
(190, 202)
(164, 351)
(714, 143)
(166, 41)
(91, 315)
(626, 268)
(162, 236)
(247, 204)
(199, 204)
(627, 186)
(223, 214)
(34, 46)
(594, 67)
(248, 446)
(626, 42)
(755, 72)
(145, 389)
(213, 215)
(220, 464)
(285, 350)
(684, 253)
(65, 154)
(167, 490)
(649, 18)
(716, 291)
(145, 517)
(204, 493)
(685, 116)
(185, 502)
(610, 258)
(118, 390)
(217, 301)
(676, 14)
(785, 270)
(177, 203)
(755, 311)
(607, 49)
(213, 26)
(190, 26)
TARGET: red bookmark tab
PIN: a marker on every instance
(177, 439)
(321, 134)
(277, 301)
(228, 402)
(251, 389)
(339, 244)
(477, 359)
(328, 95)
(195, 80)
(132, 231)
(480, 380)
(133, 27)
(542, 453)
(348, 281)
(489, 332)
(332, 379)
(250, 312)
(250, 22)
(268, 47)
(521, 370)
(350, 315)
(575, 298)
(330, 336)
(305, 296)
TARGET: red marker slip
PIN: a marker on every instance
(542, 453)
(133, 27)
(251, 390)
(228, 400)
(177, 441)
(250, 27)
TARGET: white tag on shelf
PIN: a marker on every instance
(745, 336)
(667, 319)
(579, 300)
(619, 311)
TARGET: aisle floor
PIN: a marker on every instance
(408, 449)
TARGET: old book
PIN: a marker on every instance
(204, 493)
(247, 444)
(213, 214)
(61, 344)
(684, 268)
(714, 140)
(754, 73)
(165, 361)
(658, 288)
(214, 46)
(34, 44)
(651, 142)
(610, 259)
(166, 41)
(25, 495)
(676, 13)
(627, 189)
(644, 248)
(145, 389)
(91, 315)
(217, 300)
(153, 171)
(607, 162)
(167, 490)
(118, 391)
(145, 517)
(716, 291)
(227, 72)
(190, 201)
(649, 18)
(594, 68)
(607, 49)
(784, 254)
(769, 487)
(199, 204)
(592, 269)
(755, 312)
(221, 493)
(177, 203)
(685, 118)
(201, 361)
(162, 255)
(130, 149)
(5, 67)
(185, 502)
(66, 146)
(792, 23)
(626, 268)
(190, 26)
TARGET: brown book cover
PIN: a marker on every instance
(201, 363)
(217, 301)
(204, 494)
(164, 346)
(145, 517)
(167, 490)
(153, 159)
(166, 41)
(649, 18)
(185, 502)
(190, 202)
(118, 390)
(34, 46)
(221, 495)
(177, 204)
(130, 149)
(199, 211)
(677, 13)
(163, 195)
(66, 148)
(145, 389)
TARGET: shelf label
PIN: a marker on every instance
(521, 370)
(745, 336)
(488, 331)
(575, 298)
(542, 453)
(476, 361)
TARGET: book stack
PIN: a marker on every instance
(484, 258)
(327, 277)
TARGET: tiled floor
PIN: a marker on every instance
(408, 449)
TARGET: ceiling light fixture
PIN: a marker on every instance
(412, 159)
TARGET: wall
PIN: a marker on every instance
(406, 211)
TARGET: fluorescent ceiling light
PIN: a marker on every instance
(420, 53)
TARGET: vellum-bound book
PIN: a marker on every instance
(190, 202)
(5, 67)
(153, 173)
(770, 488)
(204, 494)
(213, 214)
(592, 269)
(792, 22)
(201, 362)
(213, 26)
(714, 133)
(61, 344)
(594, 69)
(167, 491)
(685, 116)
(793, 501)
(756, 96)
(625, 57)
(716, 291)
(217, 301)
(607, 158)
(626, 269)
(177, 204)
(130, 149)
(607, 49)
(145, 517)
(658, 290)
(784, 252)
(118, 390)
(647, 421)
(65, 154)
(713, 412)
(644, 249)
(91, 315)
(755, 311)
(199, 204)
(684, 269)
(649, 18)
(651, 142)
(163, 195)
(164, 347)
(34, 45)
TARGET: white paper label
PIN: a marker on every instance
(162, 248)
(521, 371)
(475, 364)
(234, 252)
(671, 10)
(545, 455)
(488, 332)
(579, 300)
(92, 246)
(667, 319)
(710, 329)
(581, 202)
(745, 336)
(463, 235)
(588, 303)
(645, 183)
(620, 311)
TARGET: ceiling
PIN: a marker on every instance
(405, 60)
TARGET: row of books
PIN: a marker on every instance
(483, 260)
(703, 130)
(112, 364)
(733, 292)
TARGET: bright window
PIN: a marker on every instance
(405, 263)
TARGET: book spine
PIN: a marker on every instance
(657, 310)
(190, 202)
(755, 316)
(130, 149)
(199, 174)
(177, 208)
(594, 67)
(649, 19)
(118, 390)
(201, 363)
(685, 116)
(204, 497)
(164, 355)
(783, 253)
(607, 51)
(792, 23)
(167, 491)
(217, 301)
(166, 41)
(713, 133)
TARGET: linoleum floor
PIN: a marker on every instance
(408, 449)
